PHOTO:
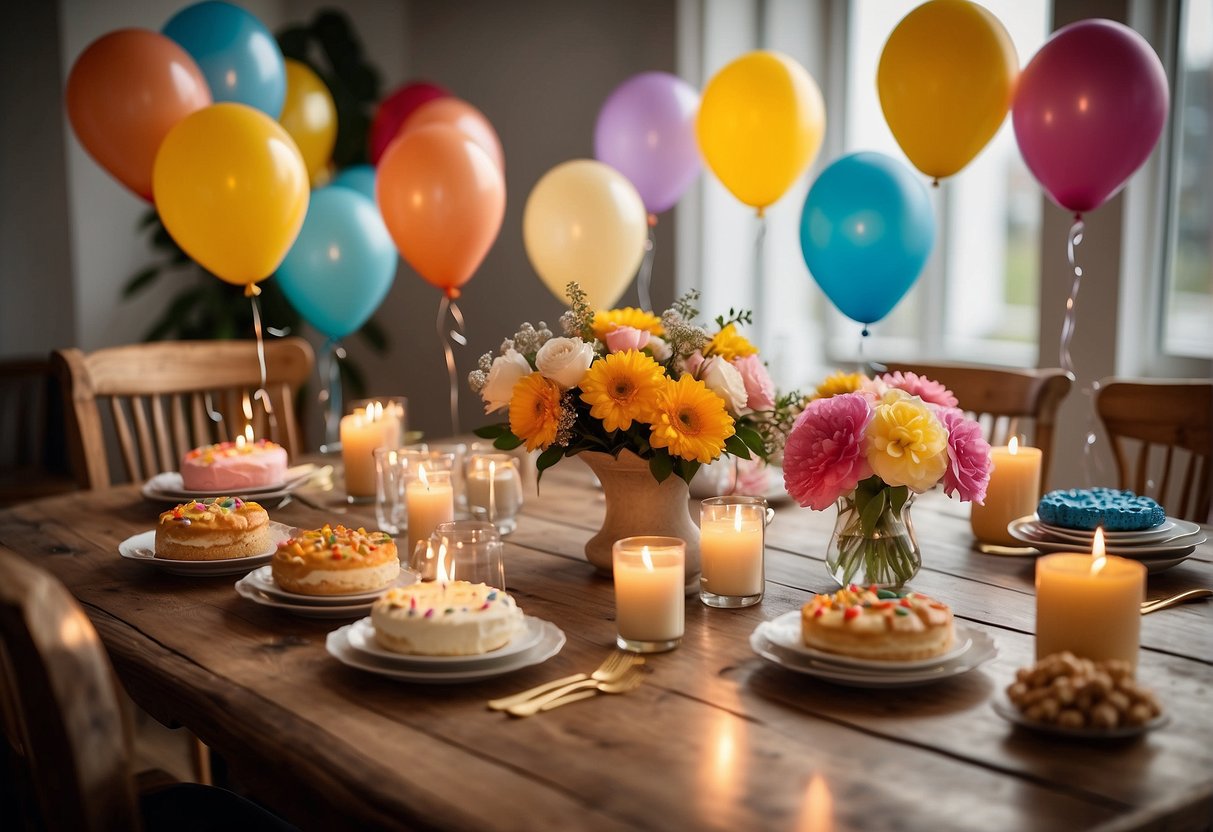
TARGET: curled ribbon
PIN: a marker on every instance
(644, 278)
(261, 394)
(1090, 464)
(456, 334)
(330, 390)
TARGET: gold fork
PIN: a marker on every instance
(1157, 604)
(611, 669)
(577, 691)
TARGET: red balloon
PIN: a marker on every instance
(126, 91)
(397, 107)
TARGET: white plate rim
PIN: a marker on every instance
(304, 610)
(268, 492)
(140, 548)
(256, 580)
(964, 642)
(1003, 707)
(1017, 531)
(1034, 527)
(362, 629)
(1168, 525)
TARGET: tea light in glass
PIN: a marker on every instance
(494, 490)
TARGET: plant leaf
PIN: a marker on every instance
(548, 458)
(687, 468)
(140, 280)
(490, 431)
(871, 513)
(898, 497)
(661, 465)
(506, 442)
(735, 446)
(752, 439)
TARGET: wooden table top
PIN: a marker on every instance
(715, 738)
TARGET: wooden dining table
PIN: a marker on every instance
(715, 738)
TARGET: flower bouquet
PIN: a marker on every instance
(867, 446)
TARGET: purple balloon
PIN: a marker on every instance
(1089, 109)
(646, 131)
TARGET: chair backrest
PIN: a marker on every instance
(66, 742)
(1007, 402)
(1170, 423)
(33, 454)
(168, 397)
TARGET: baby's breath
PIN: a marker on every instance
(477, 379)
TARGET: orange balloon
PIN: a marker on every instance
(457, 113)
(442, 199)
(124, 93)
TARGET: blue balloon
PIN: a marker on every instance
(341, 265)
(236, 53)
(866, 232)
(360, 178)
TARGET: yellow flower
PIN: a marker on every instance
(621, 388)
(839, 383)
(606, 320)
(691, 420)
(535, 411)
(908, 444)
(730, 344)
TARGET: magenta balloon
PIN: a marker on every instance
(646, 131)
(1089, 109)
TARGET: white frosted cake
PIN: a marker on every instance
(445, 619)
(232, 467)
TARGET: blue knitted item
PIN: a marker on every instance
(1086, 508)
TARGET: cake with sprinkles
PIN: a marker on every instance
(1087, 508)
(454, 618)
(218, 528)
(877, 624)
(334, 560)
(234, 467)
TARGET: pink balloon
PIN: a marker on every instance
(1089, 109)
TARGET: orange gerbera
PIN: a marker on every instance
(535, 411)
(621, 388)
(691, 420)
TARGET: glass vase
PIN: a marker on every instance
(883, 551)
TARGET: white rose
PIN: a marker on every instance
(507, 369)
(564, 361)
(660, 349)
(723, 379)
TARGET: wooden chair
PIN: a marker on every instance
(168, 397)
(33, 455)
(1170, 421)
(1007, 402)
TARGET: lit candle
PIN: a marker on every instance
(495, 490)
(1089, 604)
(731, 547)
(364, 430)
(649, 592)
(430, 501)
(1013, 492)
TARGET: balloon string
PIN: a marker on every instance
(262, 393)
(644, 278)
(1091, 466)
(445, 335)
(760, 240)
(330, 392)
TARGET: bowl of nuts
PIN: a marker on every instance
(1071, 696)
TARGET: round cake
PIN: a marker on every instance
(445, 619)
(1087, 508)
(214, 529)
(334, 560)
(230, 467)
(877, 624)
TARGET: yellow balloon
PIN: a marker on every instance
(310, 116)
(946, 78)
(232, 190)
(760, 125)
(585, 222)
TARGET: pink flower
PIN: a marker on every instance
(758, 384)
(693, 362)
(623, 338)
(825, 456)
(922, 387)
(968, 471)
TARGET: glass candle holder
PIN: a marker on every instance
(372, 424)
(459, 453)
(429, 500)
(461, 550)
(394, 469)
(650, 611)
(494, 489)
(732, 546)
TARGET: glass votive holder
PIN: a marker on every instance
(732, 545)
(429, 500)
(459, 453)
(394, 469)
(650, 612)
(494, 489)
(372, 424)
(461, 550)
(392, 412)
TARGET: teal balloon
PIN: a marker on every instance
(866, 232)
(341, 265)
(238, 56)
(360, 178)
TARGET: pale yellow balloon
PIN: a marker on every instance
(761, 122)
(585, 222)
(310, 116)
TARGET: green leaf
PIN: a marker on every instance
(140, 280)
(898, 497)
(490, 431)
(871, 512)
(661, 465)
(506, 442)
(687, 468)
(548, 458)
(735, 446)
(752, 439)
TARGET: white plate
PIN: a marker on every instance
(262, 580)
(168, 487)
(361, 638)
(981, 651)
(550, 643)
(1177, 533)
(141, 547)
(784, 632)
(1010, 713)
(303, 610)
(1029, 533)
(1168, 527)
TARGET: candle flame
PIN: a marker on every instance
(644, 556)
(737, 520)
(247, 406)
(374, 411)
(441, 573)
(1013, 446)
(421, 476)
(1098, 559)
(817, 813)
(248, 433)
(239, 441)
(492, 496)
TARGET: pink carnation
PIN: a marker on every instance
(623, 338)
(929, 391)
(968, 471)
(759, 388)
(693, 362)
(825, 457)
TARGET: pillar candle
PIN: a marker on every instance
(1013, 492)
(430, 500)
(1089, 605)
(360, 436)
(497, 491)
(649, 589)
(731, 551)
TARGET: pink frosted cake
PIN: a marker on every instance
(233, 467)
